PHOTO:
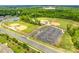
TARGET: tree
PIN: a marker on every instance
(7, 37)
(25, 46)
(66, 42)
(14, 40)
(71, 29)
(75, 39)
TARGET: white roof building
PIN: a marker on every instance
(44, 22)
(48, 7)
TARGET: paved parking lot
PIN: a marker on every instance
(48, 34)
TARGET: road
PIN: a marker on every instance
(26, 40)
(22, 38)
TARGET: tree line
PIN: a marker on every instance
(66, 13)
(70, 39)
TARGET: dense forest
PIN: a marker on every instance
(58, 12)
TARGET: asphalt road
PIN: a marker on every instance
(26, 40)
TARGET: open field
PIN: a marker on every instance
(62, 22)
(17, 27)
(27, 28)
(22, 27)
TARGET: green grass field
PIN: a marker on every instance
(49, 45)
(63, 22)
(29, 29)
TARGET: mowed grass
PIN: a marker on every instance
(56, 48)
(63, 22)
(29, 27)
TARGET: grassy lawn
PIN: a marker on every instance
(17, 47)
(63, 22)
(56, 48)
(66, 43)
(29, 29)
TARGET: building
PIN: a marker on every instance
(49, 8)
(44, 22)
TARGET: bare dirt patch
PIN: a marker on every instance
(55, 23)
(17, 27)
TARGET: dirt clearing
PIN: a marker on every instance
(17, 27)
